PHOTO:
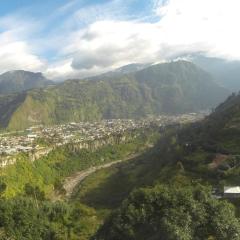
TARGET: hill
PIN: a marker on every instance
(130, 68)
(226, 72)
(169, 88)
(181, 207)
(192, 163)
(19, 80)
(220, 132)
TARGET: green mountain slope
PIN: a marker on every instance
(175, 87)
(188, 161)
(19, 80)
(220, 132)
(226, 72)
(182, 206)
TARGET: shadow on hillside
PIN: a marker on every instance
(112, 185)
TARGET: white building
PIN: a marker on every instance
(232, 191)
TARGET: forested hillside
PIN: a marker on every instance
(174, 200)
(191, 164)
(175, 87)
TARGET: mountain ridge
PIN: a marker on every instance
(21, 80)
(168, 88)
(226, 72)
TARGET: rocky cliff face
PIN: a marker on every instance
(109, 140)
(92, 145)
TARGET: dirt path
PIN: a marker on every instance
(72, 181)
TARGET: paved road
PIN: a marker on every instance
(72, 181)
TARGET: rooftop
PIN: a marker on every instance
(233, 189)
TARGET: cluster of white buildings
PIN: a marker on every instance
(37, 137)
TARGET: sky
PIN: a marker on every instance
(80, 38)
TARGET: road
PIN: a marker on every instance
(74, 180)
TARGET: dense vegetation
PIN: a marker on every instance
(172, 213)
(175, 87)
(210, 149)
(174, 201)
(27, 219)
(206, 152)
(26, 188)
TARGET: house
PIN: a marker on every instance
(32, 136)
(231, 192)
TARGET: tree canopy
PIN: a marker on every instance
(172, 213)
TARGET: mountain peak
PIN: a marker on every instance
(21, 80)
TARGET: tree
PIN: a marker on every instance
(3, 187)
(171, 213)
(34, 192)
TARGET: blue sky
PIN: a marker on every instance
(45, 5)
(78, 38)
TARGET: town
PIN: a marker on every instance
(41, 137)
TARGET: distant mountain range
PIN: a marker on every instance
(126, 69)
(227, 73)
(175, 87)
(19, 80)
(134, 67)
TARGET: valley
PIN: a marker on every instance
(80, 149)
(93, 168)
(38, 141)
(71, 182)
(119, 120)
(161, 89)
(204, 154)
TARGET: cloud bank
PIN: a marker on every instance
(98, 38)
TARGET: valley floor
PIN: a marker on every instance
(77, 178)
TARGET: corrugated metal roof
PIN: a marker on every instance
(235, 189)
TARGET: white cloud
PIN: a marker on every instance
(185, 26)
(60, 70)
(107, 43)
(15, 51)
(210, 26)
(63, 70)
(101, 37)
(15, 55)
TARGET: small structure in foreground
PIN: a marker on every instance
(231, 192)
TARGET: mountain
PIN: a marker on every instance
(220, 132)
(179, 184)
(169, 88)
(126, 69)
(209, 150)
(226, 72)
(19, 80)
(133, 67)
(173, 197)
